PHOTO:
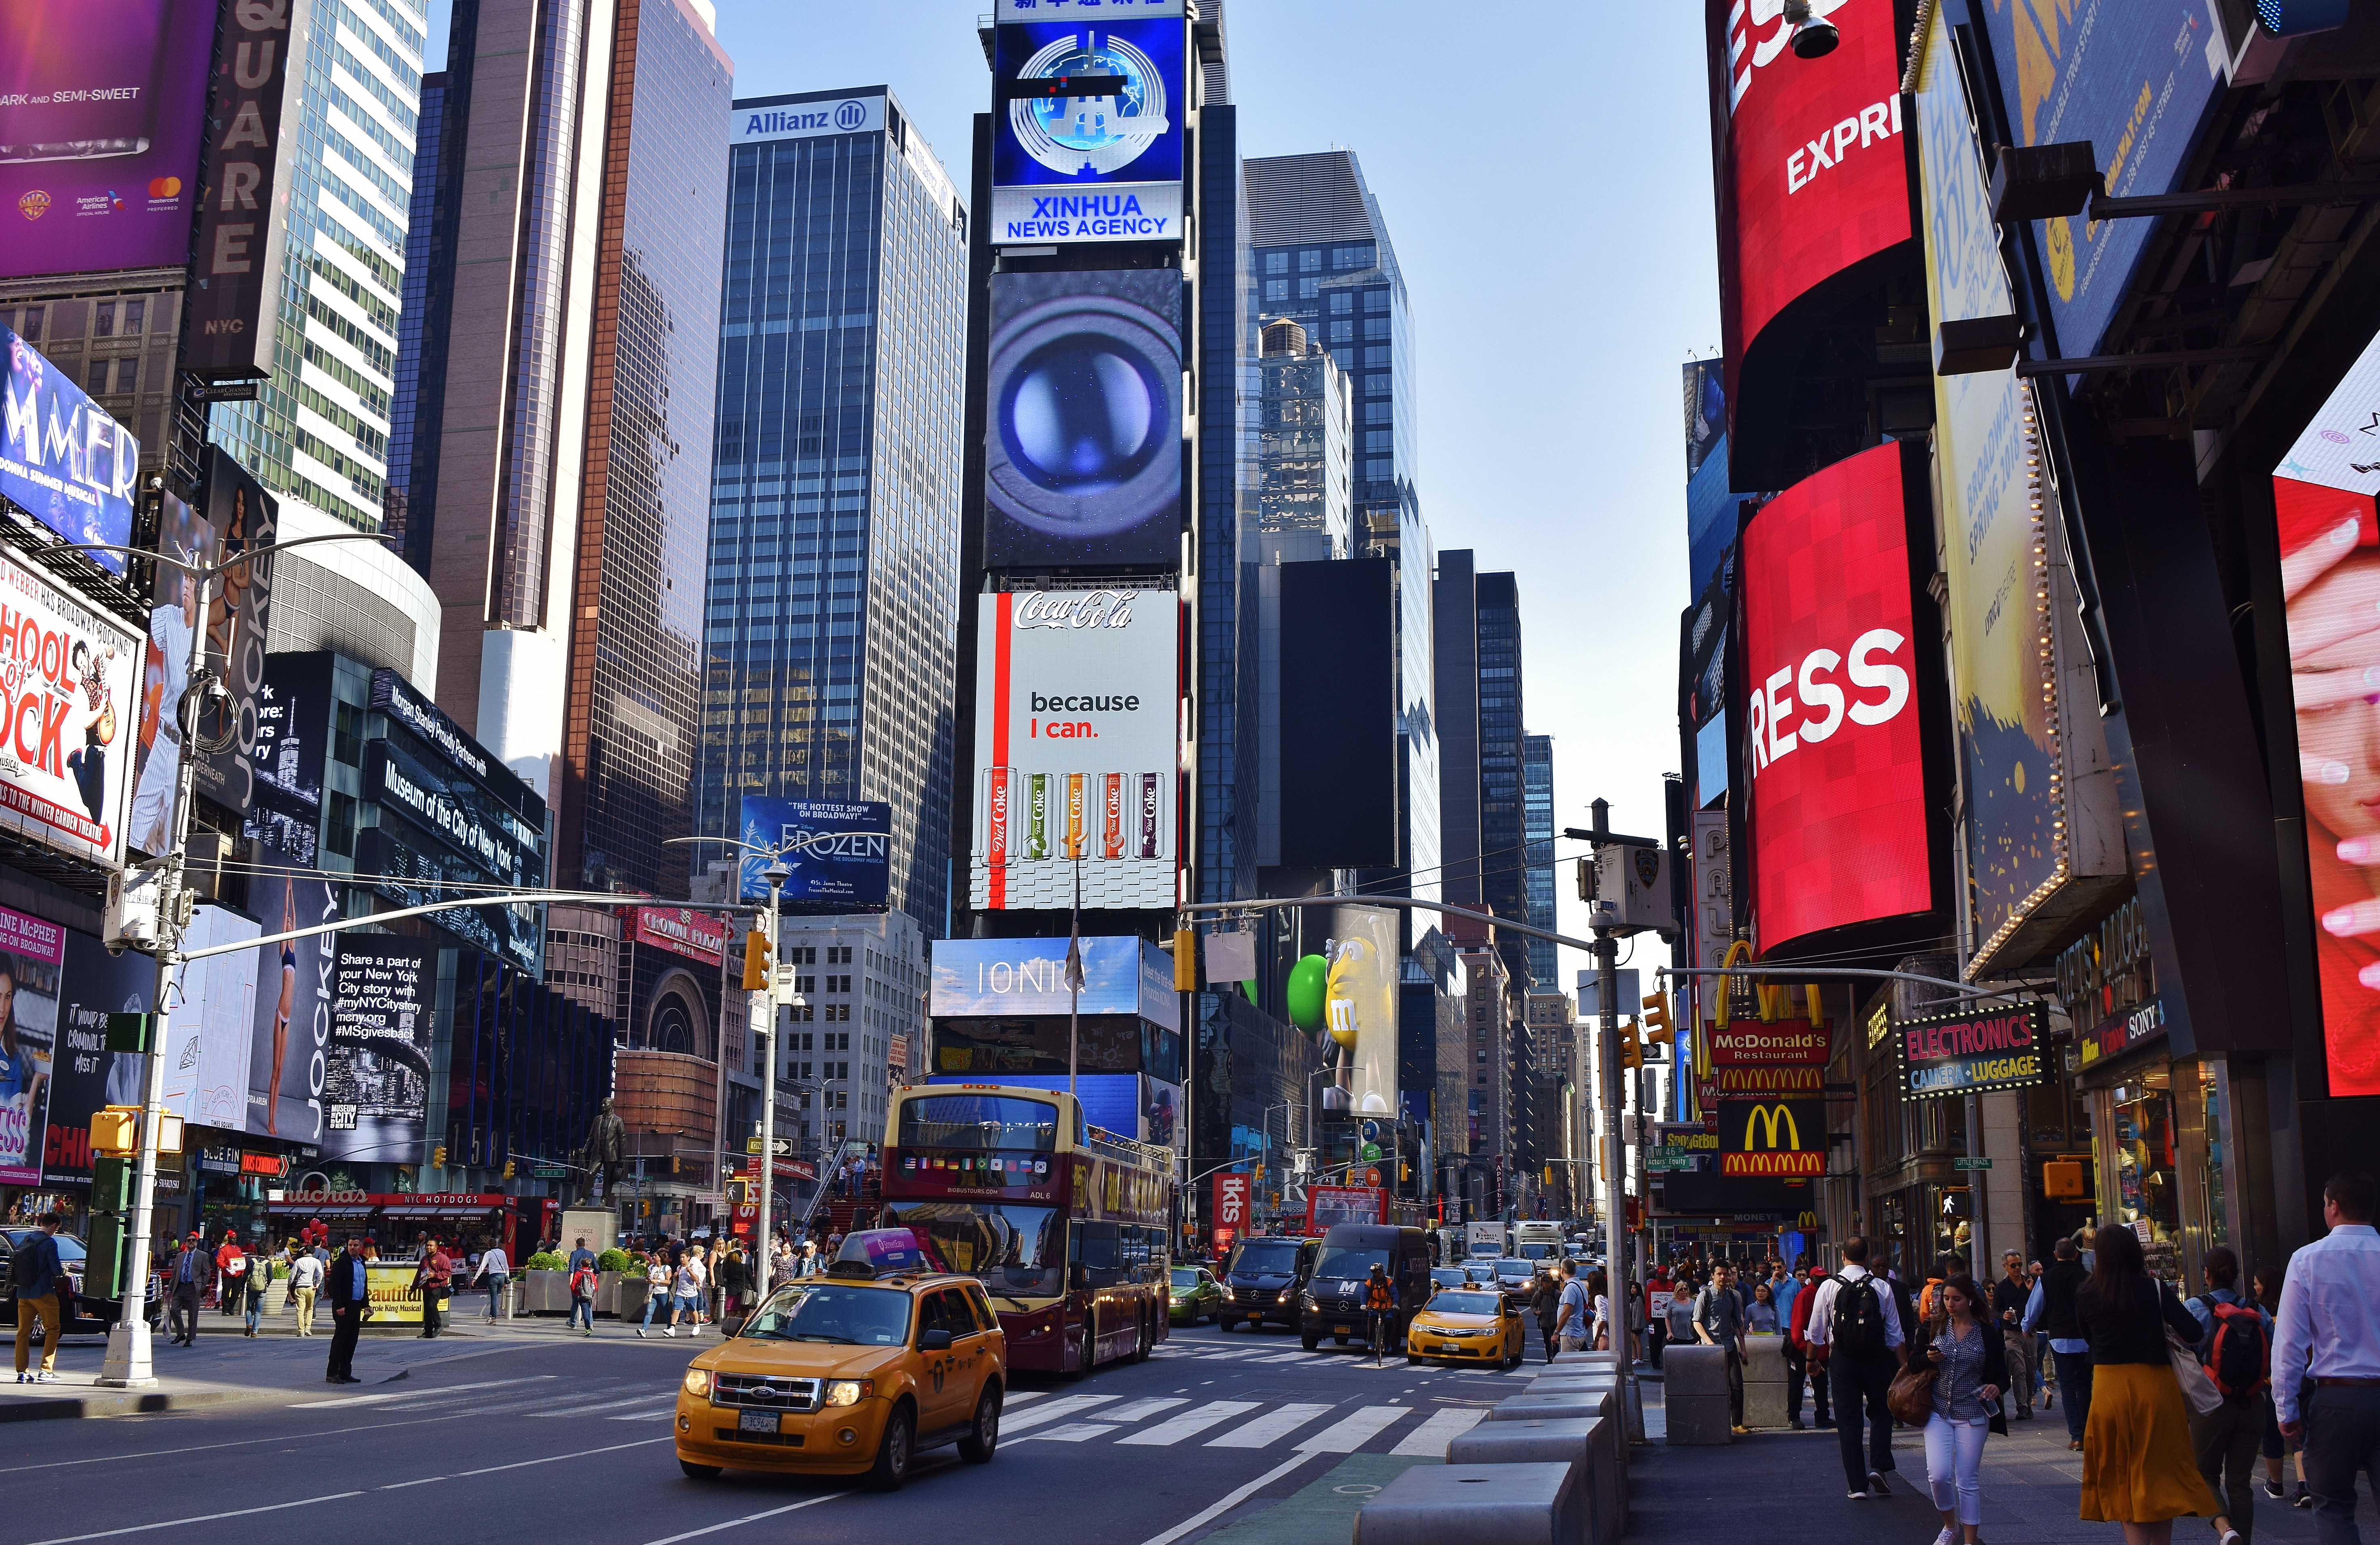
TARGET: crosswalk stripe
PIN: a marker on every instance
(1429, 1439)
(1140, 1410)
(1266, 1430)
(1189, 1423)
(578, 1411)
(406, 1394)
(1018, 1397)
(1357, 1429)
(1066, 1405)
(1292, 1358)
(1071, 1432)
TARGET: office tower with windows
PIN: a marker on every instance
(1503, 838)
(1320, 255)
(1455, 643)
(1538, 826)
(830, 645)
(317, 431)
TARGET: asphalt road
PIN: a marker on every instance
(527, 1435)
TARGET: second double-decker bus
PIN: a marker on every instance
(1066, 1226)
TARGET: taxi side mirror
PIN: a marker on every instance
(934, 1341)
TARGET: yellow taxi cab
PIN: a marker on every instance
(1467, 1325)
(854, 1374)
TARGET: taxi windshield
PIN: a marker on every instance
(1009, 1247)
(836, 1314)
(1464, 1303)
(1184, 1277)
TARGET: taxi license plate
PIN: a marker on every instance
(757, 1421)
(1449, 1347)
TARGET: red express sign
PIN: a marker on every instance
(1837, 755)
(1815, 175)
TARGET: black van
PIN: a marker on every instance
(1262, 1278)
(1332, 1304)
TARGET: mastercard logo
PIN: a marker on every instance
(33, 205)
(164, 188)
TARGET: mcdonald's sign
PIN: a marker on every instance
(1772, 1138)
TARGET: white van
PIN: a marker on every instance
(1487, 1240)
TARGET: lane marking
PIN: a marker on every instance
(748, 1518)
(1429, 1439)
(1142, 1409)
(1189, 1423)
(202, 1518)
(1223, 1505)
(1268, 1428)
(411, 1395)
(645, 1399)
(1066, 1405)
(1068, 1432)
(553, 1459)
(1357, 1429)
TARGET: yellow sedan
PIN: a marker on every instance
(1459, 1326)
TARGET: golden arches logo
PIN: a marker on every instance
(1775, 1117)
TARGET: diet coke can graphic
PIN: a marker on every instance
(1147, 847)
(1075, 814)
(1111, 811)
(998, 781)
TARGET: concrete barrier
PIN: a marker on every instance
(1481, 1504)
(1694, 1395)
(1548, 1407)
(1590, 1445)
(1763, 1381)
(1589, 1359)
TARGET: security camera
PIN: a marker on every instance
(1813, 37)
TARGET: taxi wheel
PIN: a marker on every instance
(983, 1435)
(894, 1454)
(698, 1472)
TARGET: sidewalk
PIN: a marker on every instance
(2031, 1489)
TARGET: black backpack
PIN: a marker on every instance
(2237, 1356)
(1857, 1328)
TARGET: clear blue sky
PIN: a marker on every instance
(1557, 238)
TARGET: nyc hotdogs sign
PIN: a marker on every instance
(1967, 1053)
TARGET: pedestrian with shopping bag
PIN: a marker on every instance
(2138, 1467)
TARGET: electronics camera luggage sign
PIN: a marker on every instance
(2002, 1048)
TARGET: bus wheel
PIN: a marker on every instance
(1082, 1367)
(1146, 1343)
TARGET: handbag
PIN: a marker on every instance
(1910, 1398)
(2198, 1388)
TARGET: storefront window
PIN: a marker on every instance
(2147, 1181)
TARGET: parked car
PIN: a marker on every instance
(1262, 1278)
(1193, 1295)
(1332, 1304)
(87, 1315)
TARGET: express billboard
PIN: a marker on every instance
(1083, 457)
(2325, 491)
(837, 853)
(1087, 124)
(1834, 746)
(1813, 172)
(70, 683)
(1075, 705)
(2133, 76)
(63, 460)
(102, 113)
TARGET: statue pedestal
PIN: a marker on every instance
(599, 1226)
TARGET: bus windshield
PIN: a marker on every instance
(1012, 1249)
(833, 1313)
(978, 1121)
(1271, 1258)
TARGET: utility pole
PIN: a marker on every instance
(1615, 1166)
(765, 1028)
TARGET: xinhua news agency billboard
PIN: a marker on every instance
(836, 852)
(1089, 103)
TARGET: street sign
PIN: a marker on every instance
(1971, 1163)
(547, 1172)
(1658, 1159)
(782, 1147)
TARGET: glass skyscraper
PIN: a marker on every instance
(829, 641)
(1503, 837)
(318, 429)
(1537, 823)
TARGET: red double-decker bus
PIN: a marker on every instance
(1067, 1226)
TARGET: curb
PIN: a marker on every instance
(126, 1403)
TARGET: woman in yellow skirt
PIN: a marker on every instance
(2138, 1467)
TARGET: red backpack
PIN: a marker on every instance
(2239, 1358)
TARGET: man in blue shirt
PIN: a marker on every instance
(40, 1281)
(2327, 1354)
(347, 1288)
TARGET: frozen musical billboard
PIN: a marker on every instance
(1831, 714)
(1076, 695)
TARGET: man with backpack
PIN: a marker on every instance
(2238, 1356)
(39, 1277)
(1855, 1317)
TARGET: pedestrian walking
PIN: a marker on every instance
(1968, 1352)
(2051, 1311)
(2008, 1296)
(1572, 1313)
(192, 1273)
(1657, 1321)
(347, 1285)
(2277, 1448)
(689, 1281)
(584, 1280)
(1720, 1320)
(39, 1277)
(2235, 1346)
(494, 1272)
(2138, 1467)
(305, 1279)
(1545, 1302)
(735, 1283)
(252, 1285)
(2326, 1355)
(657, 1290)
(1760, 1315)
(433, 1279)
(231, 1266)
(1804, 1363)
(1855, 1327)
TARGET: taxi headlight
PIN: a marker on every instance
(848, 1392)
(698, 1382)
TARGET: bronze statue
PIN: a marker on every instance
(604, 1154)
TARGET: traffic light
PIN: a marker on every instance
(1631, 1051)
(756, 962)
(438, 1157)
(1186, 960)
(1656, 1013)
(115, 1131)
(509, 1169)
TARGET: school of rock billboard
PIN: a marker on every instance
(69, 716)
(1076, 705)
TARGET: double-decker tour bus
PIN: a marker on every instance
(1066, 1226)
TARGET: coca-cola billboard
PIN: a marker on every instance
(1077, 696)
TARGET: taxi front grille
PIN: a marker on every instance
(760, 1392)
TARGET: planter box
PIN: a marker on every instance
(543, 1292)
(622, 1294)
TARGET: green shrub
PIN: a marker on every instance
(612, 1260)
(547, 1260)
